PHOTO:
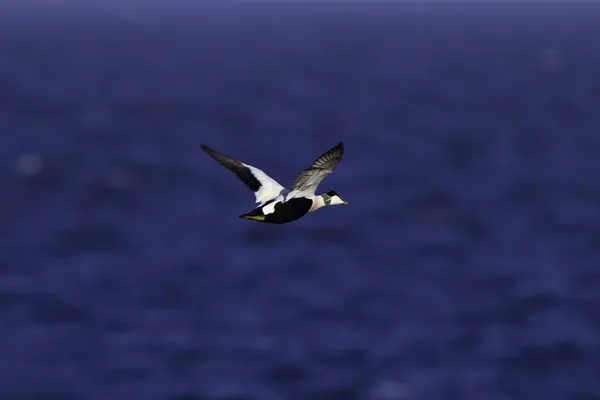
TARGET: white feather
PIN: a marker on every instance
(269, 188)
(270, 208)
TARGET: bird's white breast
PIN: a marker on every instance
(318, 202)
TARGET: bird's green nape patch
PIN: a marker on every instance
(326, 198)
(331, 198)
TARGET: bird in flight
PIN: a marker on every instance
(276, 204)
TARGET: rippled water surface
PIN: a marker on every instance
(466, 266)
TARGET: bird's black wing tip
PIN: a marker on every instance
(208, 150)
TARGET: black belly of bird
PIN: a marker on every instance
(284, 212)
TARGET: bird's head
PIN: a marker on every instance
(331, 198)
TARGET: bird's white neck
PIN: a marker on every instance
(318, 202)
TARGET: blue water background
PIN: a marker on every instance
(467, 265)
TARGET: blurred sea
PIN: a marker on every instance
(466, 267)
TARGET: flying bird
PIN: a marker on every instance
(276, 204)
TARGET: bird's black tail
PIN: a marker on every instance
(255, 214)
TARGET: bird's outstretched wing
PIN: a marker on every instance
(264, 187)
(309, 179)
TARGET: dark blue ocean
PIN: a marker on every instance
(466, 267)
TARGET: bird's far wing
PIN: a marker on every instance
(307, 181)
(264, 187)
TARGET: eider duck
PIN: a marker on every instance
(278, 205)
